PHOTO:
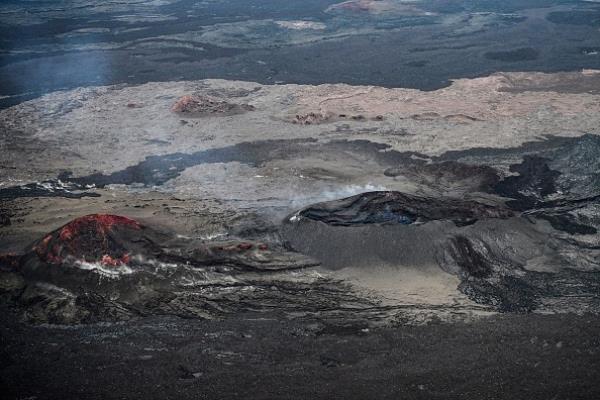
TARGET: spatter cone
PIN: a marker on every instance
(96, 238)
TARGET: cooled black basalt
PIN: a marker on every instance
(389, 207)
(51, 188)
(534, 182)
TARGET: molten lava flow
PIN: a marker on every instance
(91, 238)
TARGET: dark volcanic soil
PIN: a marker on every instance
(508, 357)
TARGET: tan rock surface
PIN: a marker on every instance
(92, 129)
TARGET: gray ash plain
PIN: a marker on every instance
(266, 357)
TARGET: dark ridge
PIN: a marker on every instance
(399, 208)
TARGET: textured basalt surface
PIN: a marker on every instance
(190, 105)
(401, 208)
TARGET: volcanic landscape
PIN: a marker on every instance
(306, 238)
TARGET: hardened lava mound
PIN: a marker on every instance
(390, 207)
(397, 228)
(504, 259)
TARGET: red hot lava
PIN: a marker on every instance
(92, 238)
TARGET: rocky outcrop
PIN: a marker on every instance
(198, 105)
(311, 118)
